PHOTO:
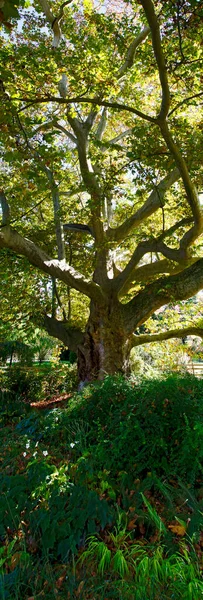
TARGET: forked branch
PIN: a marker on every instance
(54, 21)
(153, 202)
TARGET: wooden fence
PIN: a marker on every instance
(196, 368)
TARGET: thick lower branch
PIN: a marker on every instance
(138, 340)
(146, 272)
(10, 238)
(181, 286)
(70, 336)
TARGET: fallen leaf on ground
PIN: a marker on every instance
(178, 529)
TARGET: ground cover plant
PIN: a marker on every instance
(103, 498)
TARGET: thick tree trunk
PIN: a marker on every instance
(105, 349)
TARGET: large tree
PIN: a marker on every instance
(101, 134)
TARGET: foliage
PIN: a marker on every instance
(39, 381)
(104, 508)
(149, 573)
(167, 406)
(10, 10)
(15, 349)
(43, 346)
(22, 340)
(101, 174)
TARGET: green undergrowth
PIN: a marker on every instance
(104, 498)
(39, 381)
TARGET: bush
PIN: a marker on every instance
(155, 426)
(105, 495)
(16, 349)
(39, 381)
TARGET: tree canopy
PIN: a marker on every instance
(101, 137)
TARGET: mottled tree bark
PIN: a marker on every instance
(106, 348)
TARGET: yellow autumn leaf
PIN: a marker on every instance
(178, 529)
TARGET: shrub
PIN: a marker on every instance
(113, 478)
(153, 427)
(39, 381)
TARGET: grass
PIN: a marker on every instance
(103, 498)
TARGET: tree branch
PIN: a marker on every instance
(73, 191)
(57, 210)
(5, 209)
(167, 289)
(173, 228)
(54, 192)
(90, 180)
(119, 137)
(166, 335)
(131, 274)
(54, 123)
(54, 21)
(87, 100)
(55, 295)
(10, 238)
(56, 202)
(70, 336)
(129, 59)
(159, 55)
(123, 282)
(190, 189)
(150, 270)
(77, 227)
(155, 201)
(179, 104)
(66, 132)
(102, 124)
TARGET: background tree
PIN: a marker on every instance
(101, 130)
